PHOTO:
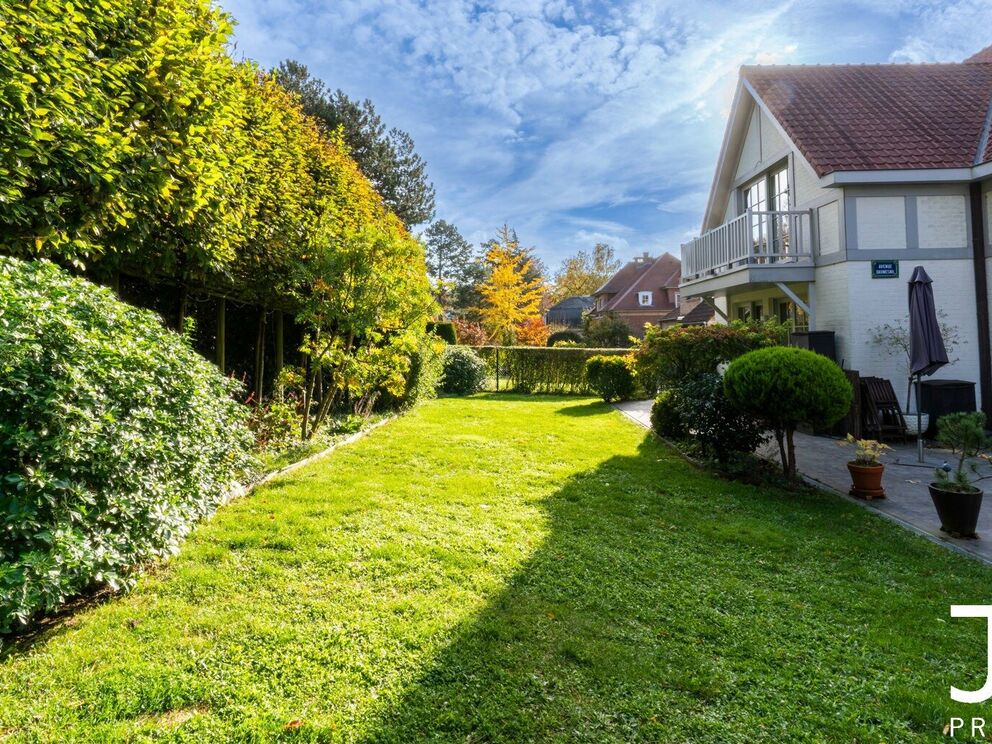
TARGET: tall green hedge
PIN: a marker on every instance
(115, 438)
(537, 369)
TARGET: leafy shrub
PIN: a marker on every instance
(471, 334)
(669, 356)
(964, 433)
(533, 332)
(611, 377)
(666, 418)
(558, 336)
(275, 424)
(464, 371)
(785, 387)
(543, 370)
(716, 426)
(606, 332)
(444, 330)
(115, 438)
(565, 344)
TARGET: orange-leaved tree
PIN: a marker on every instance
(510, 295)
(533, 332)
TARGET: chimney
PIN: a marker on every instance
(643, 258)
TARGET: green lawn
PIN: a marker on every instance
(517, 569)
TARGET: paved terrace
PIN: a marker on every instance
(907, 501)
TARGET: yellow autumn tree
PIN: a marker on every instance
(512, 294)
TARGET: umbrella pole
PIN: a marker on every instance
(919, 423)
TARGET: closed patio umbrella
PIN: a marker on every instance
(926, 345)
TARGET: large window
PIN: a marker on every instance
(769, 192)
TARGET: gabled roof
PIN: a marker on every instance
(880, 117)
(622, 279)
(661, 273)
(701, 313)
(864, 118)
(580, 302)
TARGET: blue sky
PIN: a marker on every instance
(585, 121)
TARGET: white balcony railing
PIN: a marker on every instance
(754, 238)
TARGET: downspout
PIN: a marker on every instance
(978, 242)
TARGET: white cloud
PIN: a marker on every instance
(541, 113)
(947, 32)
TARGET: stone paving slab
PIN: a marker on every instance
(823, 462)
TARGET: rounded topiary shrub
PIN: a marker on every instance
(610, 377)
(464, 371)
(115, 438)
(666, 420)
(573, 337)
(785, 387)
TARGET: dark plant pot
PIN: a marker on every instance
(958, 511)
(866, 481)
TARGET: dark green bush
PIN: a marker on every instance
(715, 427)
(785, 387)
(423, 378)
(536, 369)
(464, 371)
(606, 332)
(611, 377)
(444, 330)
(115, 438)
(666, 419)
(669, 356)
(557, 336)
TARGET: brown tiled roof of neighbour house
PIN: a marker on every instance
(882, 117)
(985, 55)
(662, 273)
(622, 279)
(702, 313)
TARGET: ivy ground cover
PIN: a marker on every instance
(516, 569)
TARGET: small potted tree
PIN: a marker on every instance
(866, 468)
(955, 496)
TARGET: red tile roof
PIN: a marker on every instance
(881, 117)
(662, 273)
(983, 56)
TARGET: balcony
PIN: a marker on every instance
(757, 246)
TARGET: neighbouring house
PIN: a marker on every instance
(645, 290)
(569, 312)
(832, 183)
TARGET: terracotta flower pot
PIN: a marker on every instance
(866, 481)
(958, 511)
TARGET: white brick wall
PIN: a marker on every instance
(772, 142)
(873, 302)
(806, 188)
(751, 149)
(828, 219)
(942, 221)
(833, 307)
(881, 222)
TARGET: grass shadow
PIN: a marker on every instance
(665, 606)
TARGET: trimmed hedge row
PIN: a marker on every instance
(535, 369)
(115, 438)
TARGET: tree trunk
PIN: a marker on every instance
(792, 452)
(783, 457)
(278, 321)
(307, 399)
(183, 303)
(260, 357)
(221, 332)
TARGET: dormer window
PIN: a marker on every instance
(644, 298)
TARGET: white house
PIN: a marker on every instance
(832, 183)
